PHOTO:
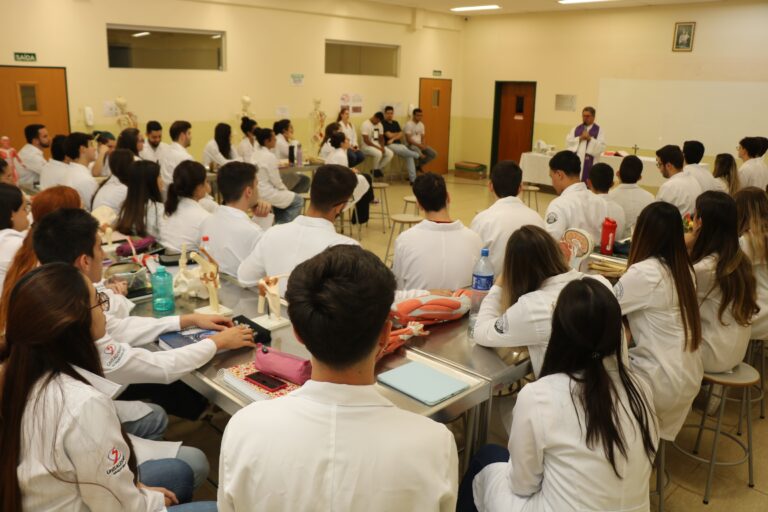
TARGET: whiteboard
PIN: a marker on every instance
(653, 113)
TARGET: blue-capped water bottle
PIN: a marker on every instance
(482, 280)
(162, 290)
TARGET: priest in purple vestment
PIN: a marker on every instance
(587, 141)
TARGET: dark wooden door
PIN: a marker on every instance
(435, 103)
(513, 120)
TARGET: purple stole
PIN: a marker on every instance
(588, 159)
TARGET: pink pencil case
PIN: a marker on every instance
(141, 245)
(283, 366)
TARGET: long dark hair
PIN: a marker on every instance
(142, 188)
(531, 256)
(586, 328)
(57, 297)
(752, 212)
(659, 234)
(247, 125)
(341, 111)
(11, 199)
(187, 176)
(222, 135)
(128, 139)
(330, 130)
(719, 236)
(726, 170)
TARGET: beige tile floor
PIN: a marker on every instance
(684, 492)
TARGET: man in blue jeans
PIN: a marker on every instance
(395, 139)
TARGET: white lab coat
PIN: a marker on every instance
(32, 162)
(328, 447)
(184, 226)
(53, 173)
(703, 177)
(71, 433)
(496, 224)
(10, 243)
(211, 154)
(551, 468)
(155, 215)
(576, 207)
(281, 150)
(760, 269)
(112, 194)
(325, 150)
(338, 156)
(594, 147)
(350, 132)
(80, 178)
(632, 198)
(245, 149)
(271, 186)
(722, 346)
(152, 154)
(752, 173)
(681, 191)
(284, 246)
(436, 255)
(232, 237)
(528, 322)
(648, 298)
(616, 212)
(170, 157)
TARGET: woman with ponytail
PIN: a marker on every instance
(184, 215)
(584, 434)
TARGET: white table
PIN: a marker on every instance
(536, 168)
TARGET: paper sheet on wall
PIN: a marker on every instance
(282, 112)
(354, 101)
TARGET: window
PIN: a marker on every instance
(149, 47)
(28, 98)
(350, 58)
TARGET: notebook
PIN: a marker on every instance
(422, 382)
(234, 378)
(178, 339)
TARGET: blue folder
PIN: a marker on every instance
(422, 382)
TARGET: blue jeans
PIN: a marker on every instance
(287, 214)
(488, 454)
(409, 156)
(355, 156)
(172, 474)
(152, 426)
(302, 185)
(429, 154)
(198, 506)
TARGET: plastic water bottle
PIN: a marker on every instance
(482, 280)
(162, 290)
(299, 156)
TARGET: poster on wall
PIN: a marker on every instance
(297, 79)
(353, 101)
(282, 112)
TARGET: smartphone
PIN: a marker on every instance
(265, 381)
(260, 334)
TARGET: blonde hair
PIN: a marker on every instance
(725, 169)
(752, 217)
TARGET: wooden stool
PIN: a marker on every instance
(404, 219)
(305, 197)
(383, 204)
(408, 201)
(742, 377)
(529, 189)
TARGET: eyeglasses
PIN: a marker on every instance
(102, 301)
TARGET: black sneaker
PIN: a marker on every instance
(377, 173)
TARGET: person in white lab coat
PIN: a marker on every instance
(657, 294)
(62, 444)
(726, 286)
(81, 150)
(112, 192)
(283, 139)
(354, 154)
(680, 189)
(154, 142)
(575, 206)
(184, 215)
(176, 152)
(55, 170)
(248, 144)
(219, 150)
(14, 222)
(283, 247)
(584, 434)
(438, 252)
(143, 209)
(507, 214)
(31, 154)
(383, 458)
(339, 155)
(105, 144)
(752, 214)
(600, 182)
(753, 171)
(517, 312)
(587, 141)
(726, 173)
(693, 152)
(232, 235)
(325, 144)
(374, 144)
(628, 194)
(286, 204)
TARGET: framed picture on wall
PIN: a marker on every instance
(683, 38)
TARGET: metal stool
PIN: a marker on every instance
(529, 189)
(756, 355)
(742, 377)
(305, 197)
(661, 473)
(404, 219)
(383, 204)
(408, 201)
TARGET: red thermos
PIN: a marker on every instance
(608, 236)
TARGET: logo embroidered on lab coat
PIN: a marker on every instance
(551, 218)
(113, 355)
(501, 324)
(116, 461)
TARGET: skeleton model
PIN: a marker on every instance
(269, 294)
(317, 121)
(188, 282)
(125, 119)
(209, 276)
(245, 102)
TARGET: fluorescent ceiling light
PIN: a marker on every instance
(217, 36)
(476, 8)
(566, 2)
(141, 34)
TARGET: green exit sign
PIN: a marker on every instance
(437, 72)
(25, 57)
